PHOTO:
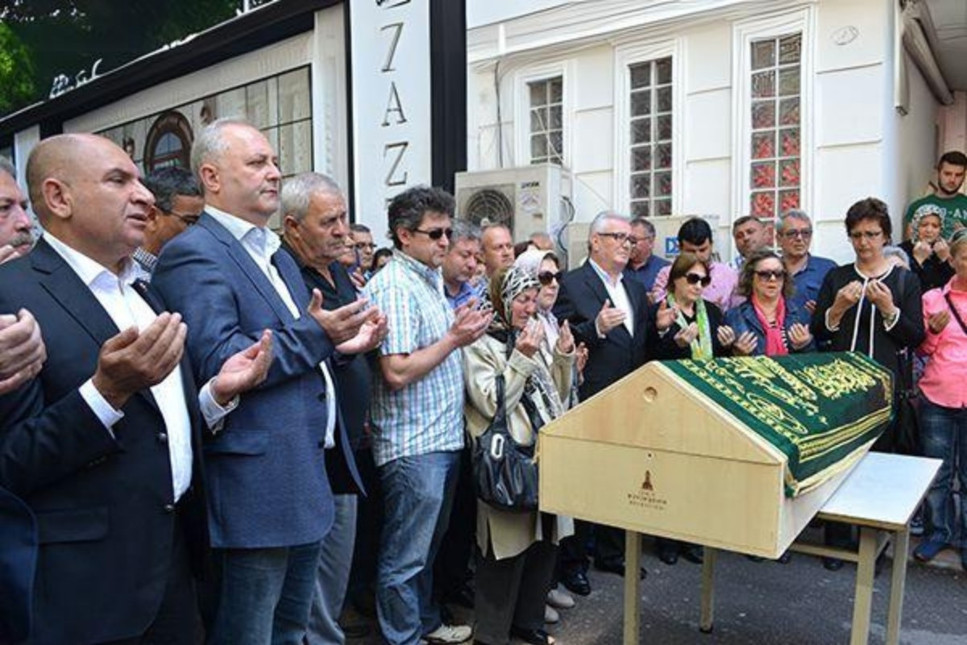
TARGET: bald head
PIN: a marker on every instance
(55, 158)
(88, 194)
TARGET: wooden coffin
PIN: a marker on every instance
(738, 454)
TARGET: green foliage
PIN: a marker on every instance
(16, 72)
(68, 36)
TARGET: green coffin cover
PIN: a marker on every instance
(823, 411)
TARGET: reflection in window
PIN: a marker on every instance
(776, 133)
(650, 128)
(547, 120)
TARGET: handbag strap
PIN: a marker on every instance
(954, 311)
(500, 416)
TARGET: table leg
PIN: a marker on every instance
(863, 599)
(632, 627)
(707, 618)
(901, 547)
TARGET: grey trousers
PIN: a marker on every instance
(513, 591)
(332, 577)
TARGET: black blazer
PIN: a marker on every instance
(619, 353)
(104, 505)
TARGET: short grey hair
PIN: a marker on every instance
(7, 166)
(464, 230)
(209, 144)
(298, 191)
(794, 213)
(597, 224)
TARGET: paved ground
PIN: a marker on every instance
(767, 604)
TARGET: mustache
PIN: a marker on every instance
(22, 238)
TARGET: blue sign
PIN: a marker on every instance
(671, 247)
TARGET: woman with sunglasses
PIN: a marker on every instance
(517, 549)
(943, 409)
(768, 322)
(697, 333)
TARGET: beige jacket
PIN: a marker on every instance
(509, 533)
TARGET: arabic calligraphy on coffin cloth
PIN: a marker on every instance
(822, 411)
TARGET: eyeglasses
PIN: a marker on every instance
(694, 278)
(804, 233)
(769, 275)
(436, 233)
(547, 277)
(621, 238)
(856, 236)
(188, 219)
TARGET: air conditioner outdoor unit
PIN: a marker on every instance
(530, 199)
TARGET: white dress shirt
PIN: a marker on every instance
(127, 309)
(261, 244)
(617, 295)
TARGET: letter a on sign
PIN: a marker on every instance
(394, 105)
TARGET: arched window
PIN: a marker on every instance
(169, 142)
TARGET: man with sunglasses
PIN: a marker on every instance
(417, 413)
(178, 203)
(794, 230)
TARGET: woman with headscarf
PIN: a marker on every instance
(929, 253)
(517, 549)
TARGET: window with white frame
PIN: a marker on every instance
(547, 120)
(776, 134)
(650, 137)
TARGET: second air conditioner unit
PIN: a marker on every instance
(530, 199)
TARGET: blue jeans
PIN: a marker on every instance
(332, 577)
(265, 595)
(417, 495)
(943, 433)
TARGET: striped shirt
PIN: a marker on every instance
(426, 415)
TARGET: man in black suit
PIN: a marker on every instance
(103, 446)
(609, 314)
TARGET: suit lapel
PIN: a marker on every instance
(65, 287)
(596, 285)
(248, 267)
(76, 298)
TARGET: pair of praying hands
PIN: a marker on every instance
(923, 249)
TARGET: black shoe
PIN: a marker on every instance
(668, 556)
(534, 636)
(576, 582)
(833, 564)
(785, 557)
(693, 553)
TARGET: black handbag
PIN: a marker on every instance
(906, 423)
(504, 472)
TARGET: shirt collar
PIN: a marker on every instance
(604, 274)
(433, 276)
(265, 241)
(91, 271)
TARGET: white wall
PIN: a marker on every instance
(857, 146)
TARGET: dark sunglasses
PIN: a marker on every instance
(436, 233)
(768, 275)
(694, 278)
(547, 277)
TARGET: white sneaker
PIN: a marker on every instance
(550, 615)
(449, 634)
(560, 599)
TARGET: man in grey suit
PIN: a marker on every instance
(269, 495)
